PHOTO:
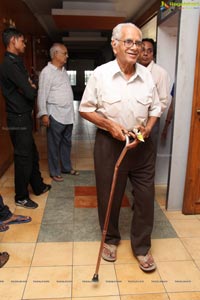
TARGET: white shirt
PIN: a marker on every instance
(127, 102)
(162, 82)
(55, 96)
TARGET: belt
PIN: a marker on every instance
(104, 132)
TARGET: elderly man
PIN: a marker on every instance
(55, 105)
(120, 96)
(160, 76)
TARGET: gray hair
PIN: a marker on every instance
(117, 30)
(54, 48)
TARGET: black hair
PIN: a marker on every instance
(8, 33)
(152, 42)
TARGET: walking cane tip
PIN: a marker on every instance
(95, 278)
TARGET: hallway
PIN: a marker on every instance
(54, 256)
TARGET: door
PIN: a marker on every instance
(191, 201)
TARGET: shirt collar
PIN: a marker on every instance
(13, 56)
(115, 68)
(54, 67)
(138, 70)
(150, 66)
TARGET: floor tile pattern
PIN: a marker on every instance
(68, 218)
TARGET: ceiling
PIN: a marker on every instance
(85, 24)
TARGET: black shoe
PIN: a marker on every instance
(26, 203)
(46, 188)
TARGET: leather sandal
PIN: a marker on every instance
(109, 252)
(146, 262)
(3, 227)
(57, 178)
(71, 172)
(4, 257)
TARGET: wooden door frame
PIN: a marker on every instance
(189, 202)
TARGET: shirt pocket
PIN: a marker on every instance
(142, 106)
(111, 104)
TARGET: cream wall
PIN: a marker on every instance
(149, 29)
(176, 52)
(186, 60)
(167, 36)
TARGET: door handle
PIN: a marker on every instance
(198, 111)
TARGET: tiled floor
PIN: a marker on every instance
(54, 256)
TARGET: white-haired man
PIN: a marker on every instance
(119, 96)
(56, 110)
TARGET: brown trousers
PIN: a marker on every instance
(139, 166)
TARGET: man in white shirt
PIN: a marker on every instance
(160, 76)
(120, 96)
(56, 110)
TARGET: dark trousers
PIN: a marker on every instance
(5, 212)
(26, 158)
(59, 139)
(155, 135)
(139, 166)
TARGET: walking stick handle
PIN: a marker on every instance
(127, 140)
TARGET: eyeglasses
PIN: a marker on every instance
(129, 43)
(148, 50)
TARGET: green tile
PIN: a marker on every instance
(56, 232)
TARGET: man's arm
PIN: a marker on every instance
(163, 88)
(43, 93)
(21, 81)
(154, 114)
(116, 130)
(148, 128)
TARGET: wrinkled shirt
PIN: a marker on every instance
(55, 96)
(162, 82)
(126, 102)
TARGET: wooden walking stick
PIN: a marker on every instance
(110, 201)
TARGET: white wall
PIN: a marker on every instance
(166, 37)
(188, 34)
(166, 57)
(149, 29)
(176, 52)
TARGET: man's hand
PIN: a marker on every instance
(145, 131)
(32, 84)
(117, 131)
(45, 120)
(133, 140)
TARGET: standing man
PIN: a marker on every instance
(20, 94)
(120, 96)
(161, 79)
(56, 110)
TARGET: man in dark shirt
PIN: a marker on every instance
(20, 93)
